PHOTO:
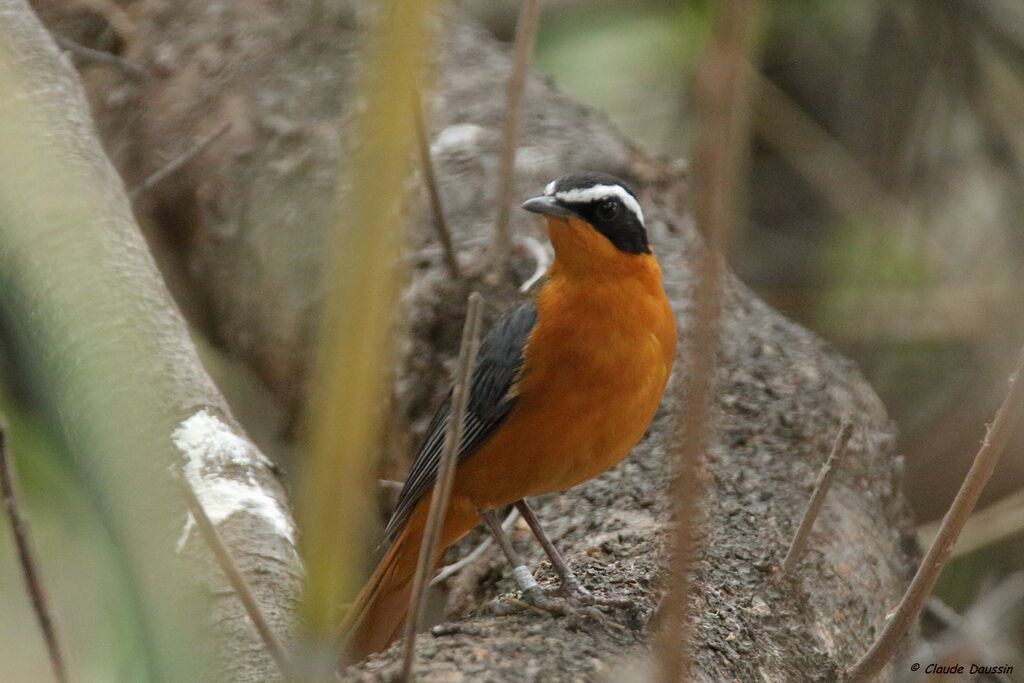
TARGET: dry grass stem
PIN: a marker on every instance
(526, 30)
(444, 235)
(821, 159)
(27, 559)
(349, 404)
(991, 524)
(1008, 418)
(445, 478)
(722, 91)
(455, 567)
(88, 54)
(178, 162)
(222, 555)
(821, 488)
(114, 15)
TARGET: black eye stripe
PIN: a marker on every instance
(610, 217)
(607, 204)
(597, 204)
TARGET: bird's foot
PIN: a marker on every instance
(575, 593)
(545, 601)
(542, 602)
(572, 601)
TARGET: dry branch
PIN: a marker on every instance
(444, 236)
(454, 568)
(445, 477)
(722, 85)
(99, 57)
(821, 488)
(176, 164)
(1007, 420)
(27, 559)
(822, 160)
(526, 29)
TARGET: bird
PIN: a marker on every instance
(563, 387)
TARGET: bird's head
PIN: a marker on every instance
(594, 220)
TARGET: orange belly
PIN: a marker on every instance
(596, 367)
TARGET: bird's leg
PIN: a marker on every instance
(571, 586)
(533, 594)
(528, 585)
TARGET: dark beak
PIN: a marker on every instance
(547, 206)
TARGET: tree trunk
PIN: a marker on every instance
(244, 226)
(103, 344)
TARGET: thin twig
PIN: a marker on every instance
(991, 524)
(455, 567)
(445, 478)
(825, 478)
(88, 54)
(1008, 418)
(526, 30)
(178, 162)
(444, 236)
(27, 558)
(241, 587)
(722, 89)
(114, 15)
(526, 606)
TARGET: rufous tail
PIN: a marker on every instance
(376, 617)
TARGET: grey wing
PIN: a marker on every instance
(498, 366)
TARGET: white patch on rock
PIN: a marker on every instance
(220, 466)
(530, 159)
(461, 137)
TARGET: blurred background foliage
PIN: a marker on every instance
(884, 213)
(99, 631)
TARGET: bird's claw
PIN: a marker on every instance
(540, 599)
(570, 599)
(574, 591)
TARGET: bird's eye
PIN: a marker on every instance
(607, 210)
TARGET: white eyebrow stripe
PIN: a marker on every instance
(549, 189)
(597, 192)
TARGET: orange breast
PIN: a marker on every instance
(596, 366)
